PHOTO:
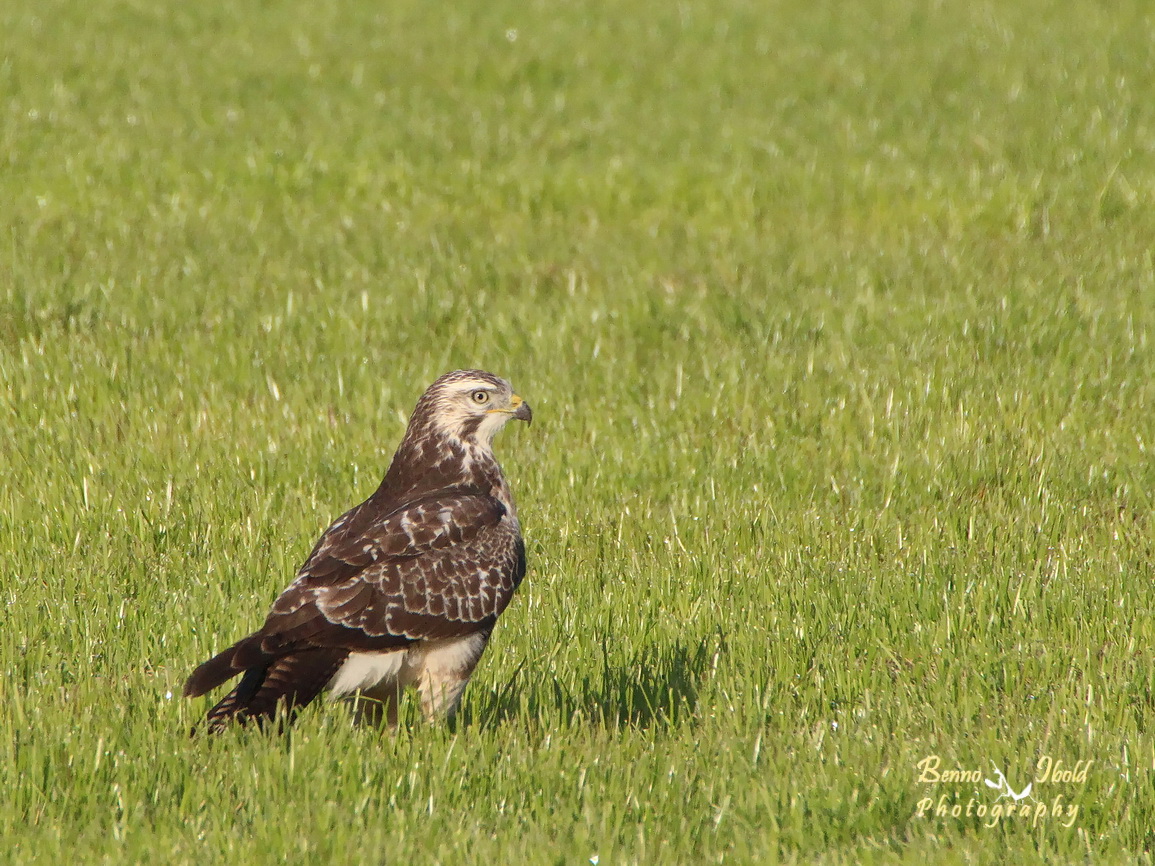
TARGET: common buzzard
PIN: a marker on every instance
(402, 590)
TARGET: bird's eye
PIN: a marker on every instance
(480, 397)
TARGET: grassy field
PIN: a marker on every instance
(837, 321)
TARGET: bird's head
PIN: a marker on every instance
(470, 406)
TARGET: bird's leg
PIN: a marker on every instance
(441, 693)
(444, 670)
(377, 706)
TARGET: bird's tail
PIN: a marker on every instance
(241, 656)
(289, 681)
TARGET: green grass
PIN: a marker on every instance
(838, 322)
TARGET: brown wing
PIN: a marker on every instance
(443, 566)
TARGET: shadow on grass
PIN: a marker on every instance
(658, 686)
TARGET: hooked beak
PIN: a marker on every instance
(521, 410)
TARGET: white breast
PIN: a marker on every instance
(431, 660)
(365, 671)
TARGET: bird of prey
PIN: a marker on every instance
(405, 588)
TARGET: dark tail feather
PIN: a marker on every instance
(291, 681)
(242, 655)
(234, 703)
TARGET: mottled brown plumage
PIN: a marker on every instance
(403, 589)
